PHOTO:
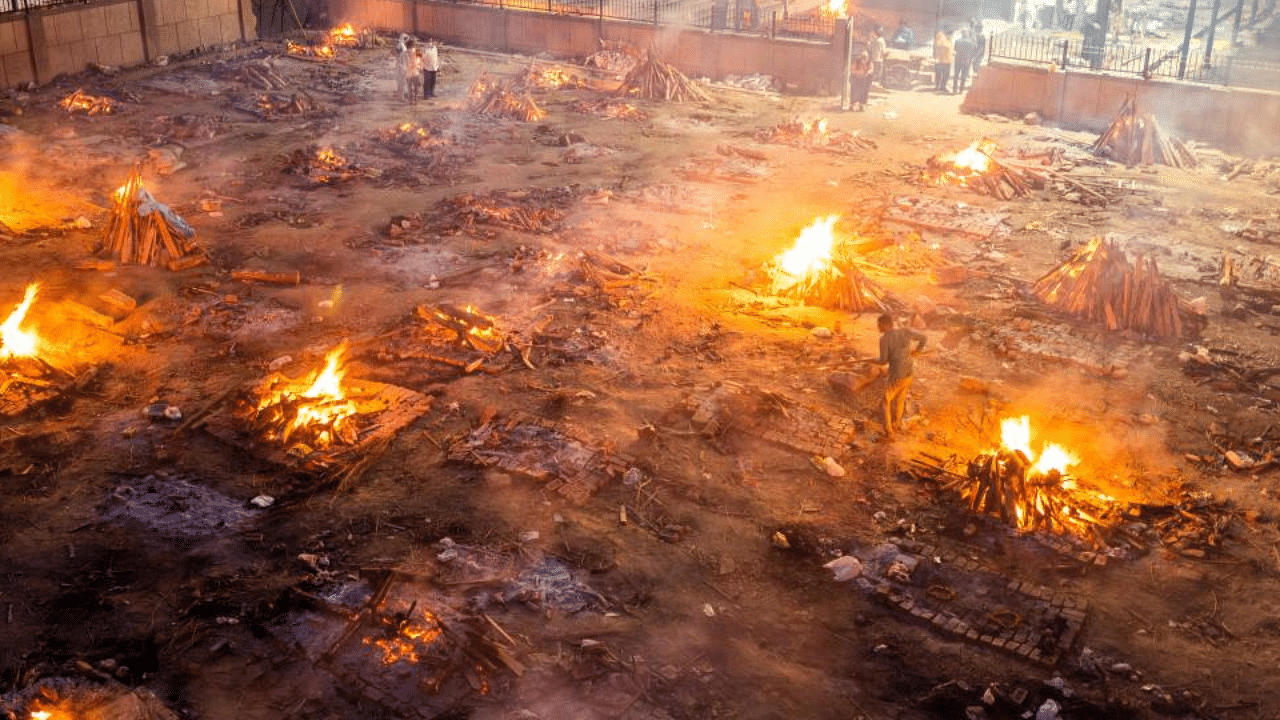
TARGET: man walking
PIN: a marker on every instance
(896, 351)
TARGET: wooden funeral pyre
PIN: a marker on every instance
(1100, 284)
(1136, 139)
(977, 169)
(653, 79)
(31, 372)
(502, 98)
(816, 272)
(145, 231)
(319, 421)
(815, 133)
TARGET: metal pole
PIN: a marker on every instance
(773, 24)
(1186, 40)
(1065, 46)
(848, 60)
(1235, 26)
(1213, 30)
(1146, 65)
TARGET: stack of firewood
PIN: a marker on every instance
(653, 79)
(839, 286)
(144, 231)
(1136, 139)
(501, 98)
(1099, 284)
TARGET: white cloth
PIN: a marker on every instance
(431, 59)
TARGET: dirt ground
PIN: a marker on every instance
(133, 556)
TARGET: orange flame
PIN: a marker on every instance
(322, 403)
(330, 158)
(344, 35)
(14, 341)
(1015, 434)
(79, 101)
(413, 639)
(972, 159)
(812, 250)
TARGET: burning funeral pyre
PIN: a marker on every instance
(653, 79)
(815, 133)
(1100, 284)
(80, 102)
(144, 231)
(1137, 139)
(816, 272)
(502, 98)
(549, 77)
(976, 168)
(316, 421)
(324, 166)
(31, 367)
(319, 52)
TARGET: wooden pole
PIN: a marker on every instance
(1186, 40)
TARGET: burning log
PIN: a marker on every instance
(309, 52)
(549, 78)
(469, 324)
(1099, 284)
(80, 102)
(653, 79)
(976, 168)
(1137, 139)
(300, 103)
(500, 98)
(144, 231)
(307, 415)
(324, 166)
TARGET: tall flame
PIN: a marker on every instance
(14, 341)
(1015, 434)
(812, 251)
(972, 158)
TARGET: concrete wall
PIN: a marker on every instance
(803, 66)
(1236, 119)
(40, 44)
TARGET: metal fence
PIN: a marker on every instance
(17, 6)
(744, 16)
(1145, 62)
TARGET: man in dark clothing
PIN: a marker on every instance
(965, 50)
(896, 351)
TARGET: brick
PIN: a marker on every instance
(907, 603)
(971, 634)
(110, 50)
(987, 639)
(188, 35)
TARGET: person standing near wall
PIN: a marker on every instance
(430, 68)
(981, 51)
(876, 49)
(943, 55)
(964, 52)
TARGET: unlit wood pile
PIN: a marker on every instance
(501, 98)
(1099, 284)
(653, 79)
(535, 211)
(840, 286)
(1136, 139)
(261, 74)
(144, 231)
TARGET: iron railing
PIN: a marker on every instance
(1146, 62)
(744, 16)
(18, 6)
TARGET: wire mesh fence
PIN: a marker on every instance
(1146, 62)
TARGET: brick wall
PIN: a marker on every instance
(41, 44)
(804, 66)
(1237, 119)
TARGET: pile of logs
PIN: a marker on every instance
(653, 79)
(501, 98)
(324, 166)
(534, 211)
(992, 178)
(1136, 139)
(999, 484)
(90, 105)
(281, 422)
(144, 231)
(839, 286)
(1099, 284)
(261, 74)
(469, 326)
(549, 78)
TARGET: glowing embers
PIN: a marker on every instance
(69, 698)
(817, 271)
(325, 166)
(345, 35)
(85, 104)
(550, 77)
(977, 169)
(320, 52)
(405, 637)
(144, 231)
(1031, 490)
(502, 98)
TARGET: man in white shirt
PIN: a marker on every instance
(876, 49)
(430, 67)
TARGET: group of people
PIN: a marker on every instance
(416, 69)
(955, 55)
